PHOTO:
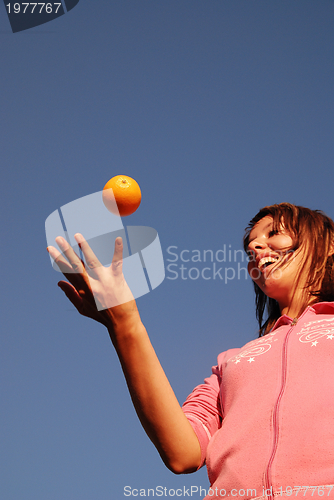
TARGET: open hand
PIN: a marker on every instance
(98, 292)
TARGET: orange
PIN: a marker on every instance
(126, 192)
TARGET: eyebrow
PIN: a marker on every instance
(268, 225)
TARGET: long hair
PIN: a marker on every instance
(313, 233)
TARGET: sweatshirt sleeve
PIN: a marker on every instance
(203, 410)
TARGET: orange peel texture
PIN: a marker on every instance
(125, 191)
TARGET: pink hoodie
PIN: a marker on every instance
(265, 417)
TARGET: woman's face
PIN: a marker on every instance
(267, 252)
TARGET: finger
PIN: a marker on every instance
(53, 252)
(78, 300)
(72, 294)
(78, 281)
(72, 269)
(62, 263)
(90, 258)
(74, 260)
(117, 260)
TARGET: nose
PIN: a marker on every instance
(256, 245)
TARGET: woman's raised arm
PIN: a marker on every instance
(153, 398)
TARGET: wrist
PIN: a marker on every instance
(123, 321)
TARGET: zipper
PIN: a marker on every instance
(267, 477)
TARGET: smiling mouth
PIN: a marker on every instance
(266, 262)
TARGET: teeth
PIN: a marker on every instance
(265, 260)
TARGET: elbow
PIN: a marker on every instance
(182, 470)
(181, 467)
(183, 459)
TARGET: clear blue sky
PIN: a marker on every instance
(216, 108)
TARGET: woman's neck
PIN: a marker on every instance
(295, 309)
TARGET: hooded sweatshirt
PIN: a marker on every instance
(265, 417)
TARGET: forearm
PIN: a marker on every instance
(154, 400)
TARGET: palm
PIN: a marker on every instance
(92, 288)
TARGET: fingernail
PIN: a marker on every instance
(79, 238)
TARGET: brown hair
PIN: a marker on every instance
(312, 231)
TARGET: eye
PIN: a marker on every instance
(272, 233)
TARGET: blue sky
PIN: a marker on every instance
(217, 108)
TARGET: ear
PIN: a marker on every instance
(331, 249)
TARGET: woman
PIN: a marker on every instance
(264, 421)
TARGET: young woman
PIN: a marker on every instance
(263, 422)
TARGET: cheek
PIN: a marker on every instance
(282, 242)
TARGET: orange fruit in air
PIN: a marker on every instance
(125, 191)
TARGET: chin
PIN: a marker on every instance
(273, 289)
